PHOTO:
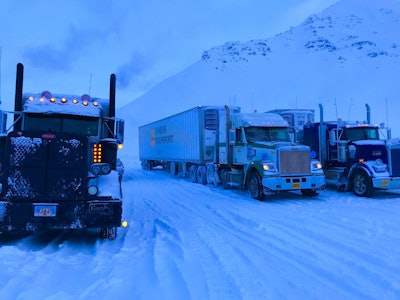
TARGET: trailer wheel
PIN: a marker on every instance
(146, 165)
(362, 184)
(255, 187)
(173, 167)
(202, 175)
(193, 173)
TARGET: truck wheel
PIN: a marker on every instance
(173, 168)
(255, 186)
(202, 175)
(309, 193)
(362, 185)
(146, 165)
(193, 173)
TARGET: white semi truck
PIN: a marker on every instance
(221, 145)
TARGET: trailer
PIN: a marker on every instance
(59, 164)
(220, 145)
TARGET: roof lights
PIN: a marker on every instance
(46, 97)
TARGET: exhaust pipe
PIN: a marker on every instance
(368, 114)
(111, 108)
(321, 113)
(18, 95)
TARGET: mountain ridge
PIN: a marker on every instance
(344, 57)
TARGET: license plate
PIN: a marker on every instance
(295, 185)
(384, 182)
(44, 210)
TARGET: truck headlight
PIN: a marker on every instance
(316, 166)
(379, 166)
(100, 169)
(269, 166)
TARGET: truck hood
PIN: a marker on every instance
(278, 145)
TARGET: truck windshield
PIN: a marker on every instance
(360, 133)
(266, 134)
(60, 123)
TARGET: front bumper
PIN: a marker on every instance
(386, 183)
(292, 183)
(35, 216)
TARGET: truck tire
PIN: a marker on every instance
(193, 173)
(309, 193)
(255, 187)
(202, 175)
(146, 165)
(173, 168)
(361, 184)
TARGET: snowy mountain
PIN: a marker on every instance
(344, 57)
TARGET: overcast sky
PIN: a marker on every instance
(73, 46)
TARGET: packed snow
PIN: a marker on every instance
(189, 241)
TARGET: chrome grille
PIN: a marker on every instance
(395, 162)
(294, 162)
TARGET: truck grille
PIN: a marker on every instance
(294, 162)
(46, 169)
(395, 162)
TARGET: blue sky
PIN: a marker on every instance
(73, 46)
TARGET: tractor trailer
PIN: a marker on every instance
(58, 163)
(221, 145)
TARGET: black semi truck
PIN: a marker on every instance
(58, 163)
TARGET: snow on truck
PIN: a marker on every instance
(59, 167)
(219, 144)
(353, 155)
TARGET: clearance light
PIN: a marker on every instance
(64, 100)
(95, 103)
(85, 103)
(97, 153)
(31, 98)
(361, 160)
(120, 146)
(41, 99)
(53, 100)
(124, 224)
(74, 101)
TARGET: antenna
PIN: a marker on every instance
(387, 117)
(337, 117)
(351, 102)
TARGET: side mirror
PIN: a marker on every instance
(119, 130)
(332, 138)
(3, 122)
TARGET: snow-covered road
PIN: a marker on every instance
(188, 241)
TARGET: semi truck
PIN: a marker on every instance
(58, 162)
(356, 156)
(220, 145)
